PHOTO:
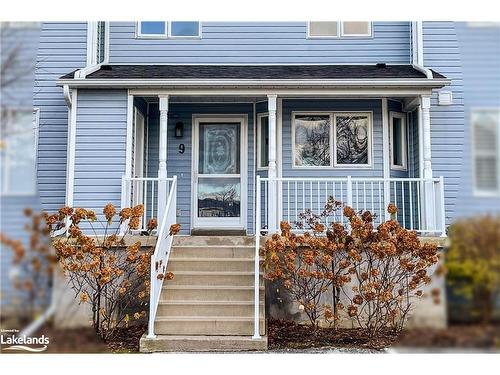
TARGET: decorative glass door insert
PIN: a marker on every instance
(218, 180)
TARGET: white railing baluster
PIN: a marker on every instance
(373, 203)
(319, 198)
(342, 199)
(266, 192)
(381, 213)
(442, 207)
(311, 194)
(296, 199)
(288, 201)
(411, 203)
(403, 203)
(153, 199)
(419, 207)
(144, 216)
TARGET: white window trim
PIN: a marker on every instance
(369, 165)
(369, 35)
(340, 32)
(313, 113)
(259, 140)
(476, 191)
(404, 141)
(35, 125)
(167, 34)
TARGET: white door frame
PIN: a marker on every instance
(218, 223)
(138, 167)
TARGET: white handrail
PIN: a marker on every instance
(159, 259)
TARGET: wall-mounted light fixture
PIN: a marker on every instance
(179, 129)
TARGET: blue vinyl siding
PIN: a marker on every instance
(180, 164)
(441, 53)
(101, 137)
(480, 52)
(62, 49)
(262, 42)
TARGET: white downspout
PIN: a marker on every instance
(417, 43)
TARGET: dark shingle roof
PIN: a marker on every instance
(264, 72)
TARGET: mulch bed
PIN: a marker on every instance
(283, 334)
(455, 336)
(289, 335)
(85, 340)
(126, 340)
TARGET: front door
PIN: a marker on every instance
(219, 172)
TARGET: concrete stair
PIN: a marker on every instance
(209, 304)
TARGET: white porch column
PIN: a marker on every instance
(273, 198)
(162, 155)
(429, 195)
(386, 156)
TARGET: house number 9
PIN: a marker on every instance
(182, 148)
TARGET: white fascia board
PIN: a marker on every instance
(260, 83)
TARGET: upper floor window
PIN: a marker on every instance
(17, 152)
(485, 151)
(172, 29)
(335, 29)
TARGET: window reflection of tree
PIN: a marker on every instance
(315, 149)
(352, 139)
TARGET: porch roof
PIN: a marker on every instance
(272, 75)
(256, 72)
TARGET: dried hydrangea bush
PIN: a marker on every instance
(373, 276)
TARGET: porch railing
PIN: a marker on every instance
(159, 259)
(144, 190)
(420, 201)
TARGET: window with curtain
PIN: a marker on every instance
(312, 140)
(352, 139)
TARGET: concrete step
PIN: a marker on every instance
(207, 308)
(207, 325)
(213, 278)
(220, 251)
(211, 264)
(214, 241)
(170, 343)
(209, 293)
